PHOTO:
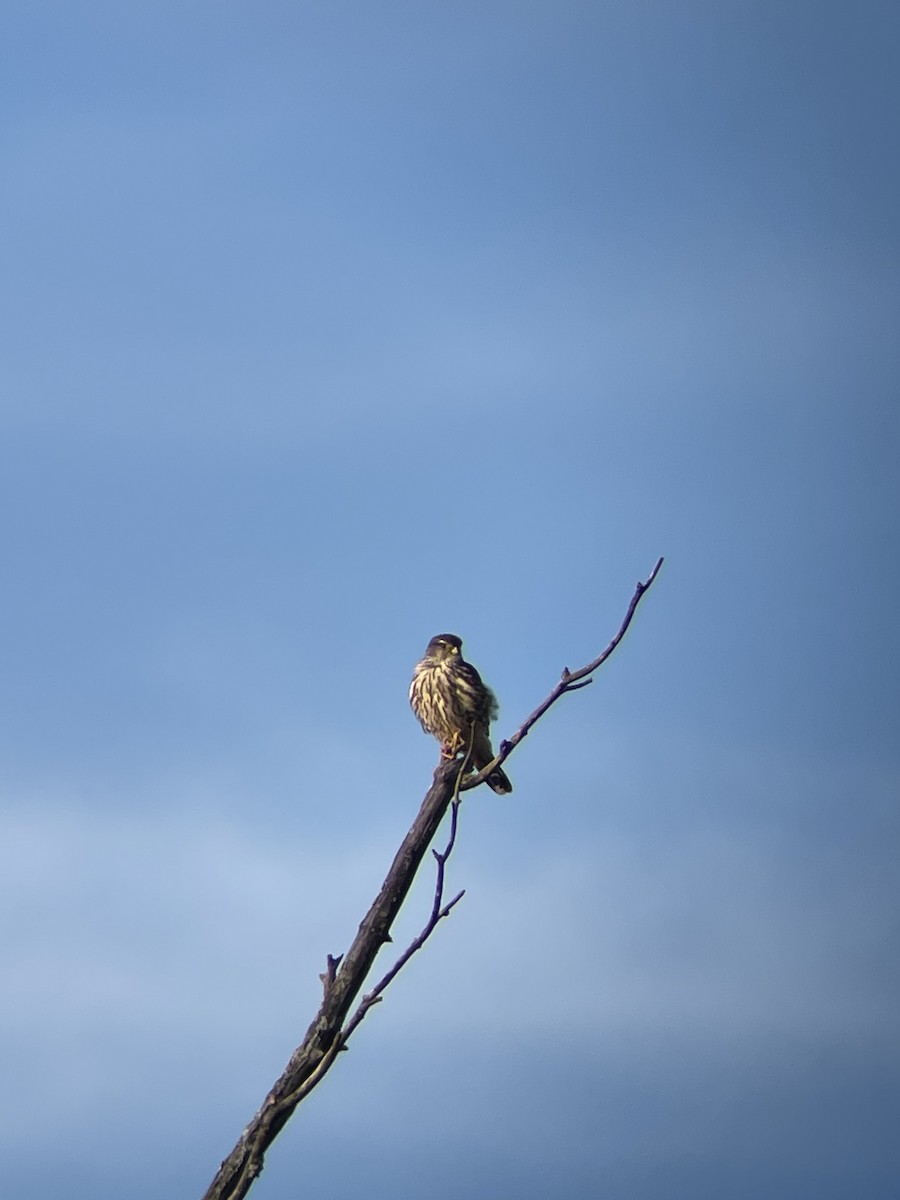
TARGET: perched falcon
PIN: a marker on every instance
(451, 701)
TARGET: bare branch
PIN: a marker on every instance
(439, 910)
(345, 975)
(568, 683)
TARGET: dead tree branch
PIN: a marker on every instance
(439, 910)
(345, 975)
(568, 683)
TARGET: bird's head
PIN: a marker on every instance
(443, 647)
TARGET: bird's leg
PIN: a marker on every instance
(450, 747)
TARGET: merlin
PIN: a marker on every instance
(453, 703)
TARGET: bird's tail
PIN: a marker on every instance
(499, 781)
(482, 754)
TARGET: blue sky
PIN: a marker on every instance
(328, 327)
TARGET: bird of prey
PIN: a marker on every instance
(453, 703)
